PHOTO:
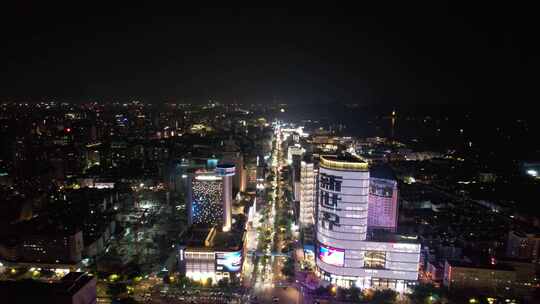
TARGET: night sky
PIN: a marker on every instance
(388, 54)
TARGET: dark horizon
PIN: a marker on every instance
(399, 55)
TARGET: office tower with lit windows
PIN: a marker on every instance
(307, 195)
(294, 150)
(226, 171)
(523, 245)
(346, 255)
(31, 247)
(296, 167)
(232, 154)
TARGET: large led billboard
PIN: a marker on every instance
(229, 261)
(379, 188)
(332, 256)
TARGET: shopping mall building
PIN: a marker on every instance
(346, 254)
(209, 253)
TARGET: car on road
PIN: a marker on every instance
(275, 299)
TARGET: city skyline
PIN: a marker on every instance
(304, 154)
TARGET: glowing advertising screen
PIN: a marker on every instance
(211, 163)
(332, 256)
(229, 261)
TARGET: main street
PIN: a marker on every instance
(269, 283)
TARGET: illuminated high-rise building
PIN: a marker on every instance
(209, 197)
(523, 245)
(346, 254)
(296, 168)
(226, 171)
(343, 200)
(204, 198)
(232, 154)
(307, 195)
(294, 150)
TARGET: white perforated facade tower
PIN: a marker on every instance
(342, 213)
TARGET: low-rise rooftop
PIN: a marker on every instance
(390, 237)
(465, 264)
(63, 291)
